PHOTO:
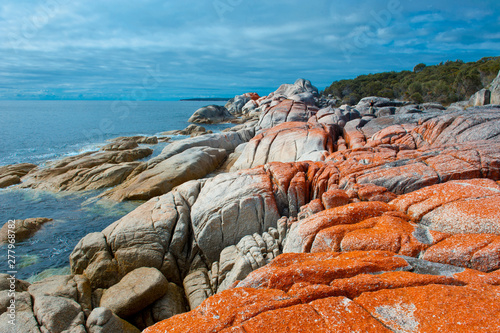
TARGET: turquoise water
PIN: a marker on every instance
(37, 131)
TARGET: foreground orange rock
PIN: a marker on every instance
(353, 292)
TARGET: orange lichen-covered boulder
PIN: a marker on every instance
(320, 268)
(462, 206)
(334, 314)
(477, 251)
(359, 291)
(436, 308)
(335, 198)
(302, 234)
(227, 308)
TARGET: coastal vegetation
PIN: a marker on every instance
(446, 83)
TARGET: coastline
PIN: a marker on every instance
(341, 190)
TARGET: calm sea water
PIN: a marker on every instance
(38, 131)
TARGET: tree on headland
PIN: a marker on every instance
(420, 67)
(447, 82)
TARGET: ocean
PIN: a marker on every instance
(41, 131)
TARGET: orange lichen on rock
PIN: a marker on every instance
(460, 250)
(367, 291)
(334, 198)
(436, 308)
(302, 234)
(319, 269)
(474, 203)
(227, 308)
(389, 233)
(334, 314)
(354, 286)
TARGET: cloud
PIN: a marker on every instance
(104, 49)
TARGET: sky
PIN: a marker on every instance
(166, 50)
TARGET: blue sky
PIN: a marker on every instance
(149, 49)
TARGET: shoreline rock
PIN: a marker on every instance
(23, 229)
(211, 114)
(338, 219)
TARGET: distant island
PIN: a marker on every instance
(215, 99)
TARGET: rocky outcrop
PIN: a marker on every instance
(288, 142)
(169, 305)
(299, 87)
(22, 229)
(88, 171)
(139, 139)
(482, 97)
(363, 105)
(137, 290)
(285, 111)
(473, 202)
(474, 124)
(211, 114)
(179, 162)
(358, 291)
(12, 174)
(103, 320)
(61, 303)
(226, 140)
(495, 90)
(191, 164)
(236, 105)
(192, 130)
(370, 211)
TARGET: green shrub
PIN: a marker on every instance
(446, 82)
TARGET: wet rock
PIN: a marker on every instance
(211, 114)
(88, 171)
(11, 174)
(22, 229)
(135, 291)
